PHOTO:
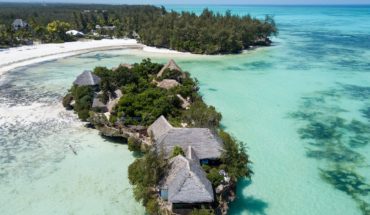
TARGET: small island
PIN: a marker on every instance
(186, 163)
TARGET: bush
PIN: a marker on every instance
(177, 150)
(83, 115)
(152, 207)
(144, 174)
(67, 101)
(202, 211)
(202, 115)
(134, 144)
(215, 177)
(83, 96)
(234, 157)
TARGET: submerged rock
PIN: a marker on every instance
(111, 132)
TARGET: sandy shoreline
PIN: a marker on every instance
(26, 55)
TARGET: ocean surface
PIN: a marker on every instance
(302, 107)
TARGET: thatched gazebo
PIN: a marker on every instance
(168, 84)
(170, 65)
(87, 78)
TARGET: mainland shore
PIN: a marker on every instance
(12, 58)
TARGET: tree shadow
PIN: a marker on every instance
(249, 204)
(115, 140)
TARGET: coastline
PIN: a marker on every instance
(28, 55)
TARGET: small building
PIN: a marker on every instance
(205, 143)
(87, 78)
(98, 105)
(126, 65)
(19, 24)
(168, 84)
(170, 65)
(105, 27)
(75, 33)
(185, 184)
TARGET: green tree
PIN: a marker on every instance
(57, 30)
(202, 115)
(144, 174)
(134, 144)
(234, 157)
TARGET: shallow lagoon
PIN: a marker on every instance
(302, 107)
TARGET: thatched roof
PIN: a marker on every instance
(19, 23)
(205, 143)
(97, 103)
(160, 127)
(170, 65)
(87, 78)
(128, 66)
(168, 84)
(187, 182)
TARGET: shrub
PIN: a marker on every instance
(83, 115)
(144, 174)
(152, 207)
(134, 144)
(177, 150)
(202, 115)
(234, 156)
(202, 211)
(215, 177)
(67, 101)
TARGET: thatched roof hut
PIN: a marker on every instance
(128, 66)
(159, 127)
(170, 65)
(186, 181)
(205, 143)
(98, 104)
(87, 78)
(168, 84)
(19, 23)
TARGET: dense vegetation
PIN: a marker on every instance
(144, 174)
(141, 104)
(207, 33)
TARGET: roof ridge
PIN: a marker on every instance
(196, 177)
(91, 77)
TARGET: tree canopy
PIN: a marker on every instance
(206, 33)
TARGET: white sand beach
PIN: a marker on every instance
(12, 58)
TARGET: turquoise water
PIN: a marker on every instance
(302, 106)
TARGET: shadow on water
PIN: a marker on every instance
(258, 65)
(98, 56)
(212, 89)
(249, 204)
(366, 113)
(337, 140)
(116, 140)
